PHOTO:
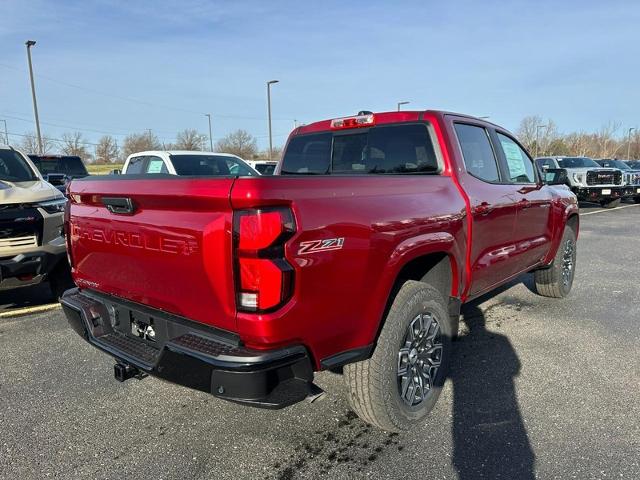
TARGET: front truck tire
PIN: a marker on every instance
(399, 385)
(556, 281)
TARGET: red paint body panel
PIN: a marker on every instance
(175, 252)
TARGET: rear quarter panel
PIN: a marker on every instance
(340, 295)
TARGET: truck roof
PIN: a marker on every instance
(182, 152)
(386, 117)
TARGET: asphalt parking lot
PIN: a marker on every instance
(540, 388)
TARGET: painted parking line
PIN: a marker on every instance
(28, 310)
(610, 209)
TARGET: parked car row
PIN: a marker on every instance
(605, 181)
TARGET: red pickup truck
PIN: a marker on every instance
(355, 257)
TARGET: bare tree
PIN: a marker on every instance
(607, 145)
(240, 143)
(527, 131)
(534, 129)
(107, 150)
(75, 144)
(190, 139)
(30, 144)
(139, 142)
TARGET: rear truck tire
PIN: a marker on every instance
(610, 203)
(556, 281)
(399, 385)
(60, 279)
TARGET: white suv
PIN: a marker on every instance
(186, 162)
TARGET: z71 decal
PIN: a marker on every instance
(314, 246)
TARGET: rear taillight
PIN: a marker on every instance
(264, 279)
(67, 231)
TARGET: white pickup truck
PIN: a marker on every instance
(186, 163)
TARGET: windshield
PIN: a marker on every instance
(14, 168)
(71, 165)
(379, 150)
(210, 165)
(577, 162)
(614, 164)
(635, 165)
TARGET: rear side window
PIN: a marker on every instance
(479, 159)
(519, 164)
(394, 149)
(135, 165)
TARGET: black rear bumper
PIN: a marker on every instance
(191, 354)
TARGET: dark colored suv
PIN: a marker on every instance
(59, 170)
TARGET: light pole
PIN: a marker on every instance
(628, 144)
(269, 83)
(208, 115)
(6, 132)
(402, 103)
(538, 127)
(29, 44)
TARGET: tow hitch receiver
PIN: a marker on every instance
(122, 372)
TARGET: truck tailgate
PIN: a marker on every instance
(173, 251)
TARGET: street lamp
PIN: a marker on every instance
(29, 44)
(208, 115)
(269, 83)
(628, 144)
(402, 103)
(538, 127)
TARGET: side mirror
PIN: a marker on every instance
(554, 176)
(115, 171)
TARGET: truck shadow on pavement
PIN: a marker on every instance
(489, 435)
(26, 297)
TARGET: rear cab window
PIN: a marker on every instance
(383, 149)
(209, 165)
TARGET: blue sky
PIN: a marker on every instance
(162, 65)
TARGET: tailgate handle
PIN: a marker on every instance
(118, 205)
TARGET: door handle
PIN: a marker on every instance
(483, 209)
(524, 203)
(119, 205)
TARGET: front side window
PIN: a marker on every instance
(545, 163)
(392, 149)
(519, 164)
(156, 165)
(479, 159)
(14, 168)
